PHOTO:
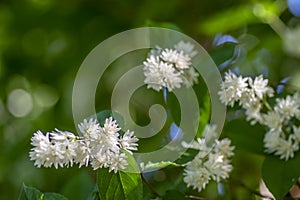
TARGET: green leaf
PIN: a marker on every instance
(53, 196)
(120, 185)
(223, 53)
(279, 175)
(30, 193)
(245, 137)
(94, 195)
(161, 164)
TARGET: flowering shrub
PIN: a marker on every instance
(263, 120)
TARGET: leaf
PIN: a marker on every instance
(53, 196)
(223, 53)
(279, 175)
(245, 137)
(30, 193)
(120, 185)
(94, 195)
(161, 164)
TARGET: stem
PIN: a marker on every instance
(150, 186)
(267, 104)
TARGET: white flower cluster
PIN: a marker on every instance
(209, 164)
(247, 92)
(282, 137)
(170, 68)
(99, 146)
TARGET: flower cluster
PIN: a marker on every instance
(170, 68)
(283, 136)
(209, 164)
(247, 92)
(99, 146)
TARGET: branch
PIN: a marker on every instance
(150, 186)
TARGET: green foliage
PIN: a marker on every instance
(227, 20)
(245, 137)
(280, 175)
(30, 193)
(120, 185)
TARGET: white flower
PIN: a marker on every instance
(170, 76)
(272, 140)
(170, 68)
(111, 127)
(273, 120)
(232, 88)
(210, 132)
(287, 107)
(274, 143)
(200, 145)
(128, 141)
(196, 175)
(223, 146)
(186, 47)
(179, 59)
(83, 154)
(207, 165)
(218, 166)
(260, 87)
(253, 111)
(42, 152)
(296, 133)
(286, 148)
(117, 162)
(190, 77)
(89, 128)
(65, 145)
(159, 74)
(152, 72)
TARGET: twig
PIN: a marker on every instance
(150, 186)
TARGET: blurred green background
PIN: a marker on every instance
(43, 43)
